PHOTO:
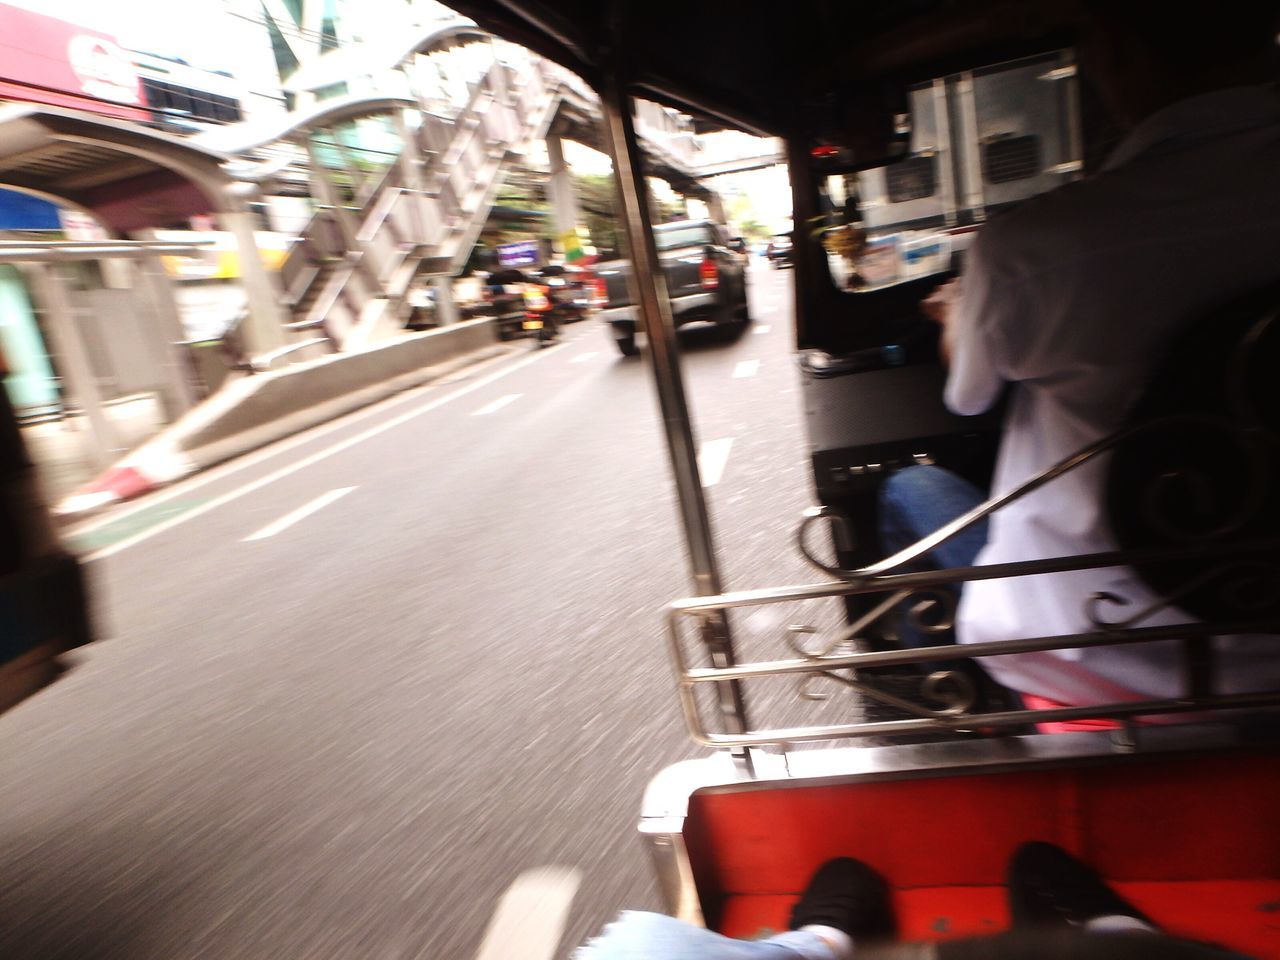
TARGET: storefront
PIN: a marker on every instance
(66, 65)
(31, 383)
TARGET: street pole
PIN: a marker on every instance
(649, 290)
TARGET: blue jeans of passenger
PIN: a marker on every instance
(653, 936)
(913, 504)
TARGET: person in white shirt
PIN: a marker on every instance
(1068, 302)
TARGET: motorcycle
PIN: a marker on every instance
(540, 320)
(553, 301)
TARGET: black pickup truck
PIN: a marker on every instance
(706, 280)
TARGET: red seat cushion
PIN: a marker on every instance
(1194, 840)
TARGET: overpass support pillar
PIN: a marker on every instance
(411, 172)
(179, 394)
(264, 326)
(715, 207)
(446, 306)
(79, 376)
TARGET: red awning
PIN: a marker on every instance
(46, 59)
(28, 94)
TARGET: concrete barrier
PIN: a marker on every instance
(256, 410)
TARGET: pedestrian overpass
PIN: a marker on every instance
(412, 207)
(383, 219)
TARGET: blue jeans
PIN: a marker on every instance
(653, 936)
(913, 504)
(917, 501)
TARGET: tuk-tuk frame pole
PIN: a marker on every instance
(649, 291)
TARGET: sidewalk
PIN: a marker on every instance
(244, 414)
(61, 451)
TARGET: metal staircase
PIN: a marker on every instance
(384, 219)
(348, 274)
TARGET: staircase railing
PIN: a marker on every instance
(402, 232)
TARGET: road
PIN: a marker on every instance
(357, 685)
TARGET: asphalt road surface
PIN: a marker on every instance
(362, 688)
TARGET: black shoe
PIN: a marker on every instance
(848, 895)
(1050, 887)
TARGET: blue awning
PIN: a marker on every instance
(21, 211)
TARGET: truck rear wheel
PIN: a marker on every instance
(627, 346)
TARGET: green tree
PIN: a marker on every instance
(742, 215)
(596, 202)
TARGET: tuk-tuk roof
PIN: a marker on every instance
(802, 68)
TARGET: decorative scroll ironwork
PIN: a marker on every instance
(923, 614)
(1186, 503)
(1212, 558)
(1252, 464)
(1192, 494)
(1248, 586)
(951, 688)
(945, 699)
(930, 611)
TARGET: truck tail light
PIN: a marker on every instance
(599, 293)
(709, 271)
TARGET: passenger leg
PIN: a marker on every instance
(653, 936)
(1060, 945)
(913, 504)
(1062, 910)
(845, 903)
(1048, 887)
(917, 501)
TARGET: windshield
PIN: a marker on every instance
(697, 235)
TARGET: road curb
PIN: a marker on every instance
(253, 412)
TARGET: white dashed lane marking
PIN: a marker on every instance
(762, 328)
(304, 511)
(531, 915)
(583, 357)
(311, 459)
(712, 460)
(497, 404)
(747, 368)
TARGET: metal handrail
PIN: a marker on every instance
(264, 361)
(446, 186)
(899, 588)
(955, 715)
(49, 251)
(1004, 720)
(981, 512)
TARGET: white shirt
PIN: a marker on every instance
(1071, 298)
